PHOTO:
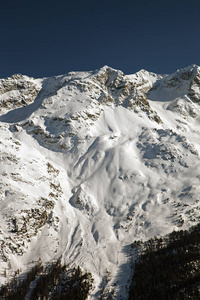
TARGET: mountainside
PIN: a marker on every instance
(93, 161)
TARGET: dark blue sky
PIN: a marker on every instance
(51, 37)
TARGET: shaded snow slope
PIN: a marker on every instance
(91, 162)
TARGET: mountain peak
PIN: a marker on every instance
(187, 73)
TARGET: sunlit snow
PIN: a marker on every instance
(91, 162)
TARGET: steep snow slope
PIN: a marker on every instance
(91, 162)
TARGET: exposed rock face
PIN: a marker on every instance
(127, 91)
(17, 91)
(194, 91)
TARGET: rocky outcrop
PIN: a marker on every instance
(127, 91)
(17, 91)
(194, 90)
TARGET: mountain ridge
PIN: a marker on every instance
(91, 162)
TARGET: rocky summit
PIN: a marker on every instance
(92, 162)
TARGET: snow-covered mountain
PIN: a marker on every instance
(91, 162)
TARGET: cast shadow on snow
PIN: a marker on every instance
(125, 272)
(22, 113)
(120, 287)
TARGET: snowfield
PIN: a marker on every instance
(93, 161)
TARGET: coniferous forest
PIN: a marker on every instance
(168, 268)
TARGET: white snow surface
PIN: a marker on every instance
(87, 168)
